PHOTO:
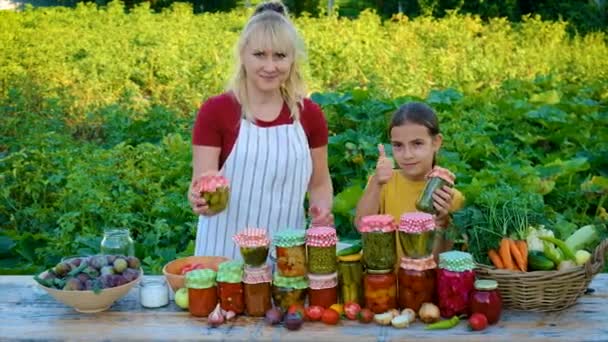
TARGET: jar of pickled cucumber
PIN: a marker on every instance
(291, 252)
(323, 289)
(378, 237)
(416, 279)
(321, 244)
(257, 284)
(254, 245)
(350, 278)
(287, 291)
(416, 234)
(437, 178)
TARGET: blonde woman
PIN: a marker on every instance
(265, 137)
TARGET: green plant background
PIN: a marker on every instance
(97, 104)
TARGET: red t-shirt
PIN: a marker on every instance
(217, 123)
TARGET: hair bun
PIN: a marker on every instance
(273, 6)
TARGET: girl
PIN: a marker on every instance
(265, 137)
(415, 137)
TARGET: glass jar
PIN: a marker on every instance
(323, 289)
(153, 293)
(378, 237)
(321, 243)
(254, 246)
(215, 190)
(380, 290)
(486, 299)
(416, 282)
(291, 252)
(350, 279)
(230, 288)
(455, 281)
(202, 292)
(257, 290)
(287, 291)
(416, 235)
(117, 241)
(436, 179)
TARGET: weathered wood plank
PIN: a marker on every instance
(27, 312)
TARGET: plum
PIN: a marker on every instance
(98, 261)
(130, 274)
(120, 265)
(73, 285)
(75, 262)
(133, 262)
(111, 258)
(62, 268)
(83, 277)
(107, 270)
(119, 280)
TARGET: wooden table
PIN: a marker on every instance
(27, 312)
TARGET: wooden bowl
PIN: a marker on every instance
(172, 270)
(89, 301)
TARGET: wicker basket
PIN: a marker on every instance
(544, 291)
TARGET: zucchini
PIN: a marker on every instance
(537, 261)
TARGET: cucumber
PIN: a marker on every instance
(537, 261)
(353, 249)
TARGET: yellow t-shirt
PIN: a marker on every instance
(399, 196)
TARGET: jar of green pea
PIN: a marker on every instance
(321, 245)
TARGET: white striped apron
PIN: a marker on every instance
(269, 169)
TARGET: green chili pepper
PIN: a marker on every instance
(561, 245)
(445, 324)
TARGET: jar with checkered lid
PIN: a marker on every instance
(321, 244)
(455, 282)
(378, 237)
(290, 250)
(436, 179)
(416, 234)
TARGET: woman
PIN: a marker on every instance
(265, 137)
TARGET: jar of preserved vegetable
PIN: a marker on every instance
(437, 178)
(350, 279)
(416, 282)
(117, 241)
(257, 288)
(230, 287)
(254, 244)
(202, 292)
(380, 290)
(455, 281)
(486, 300)
(378, 237)
(321, 243)
(287, 291)
(416, 234)
(291, 252)
(323, 289)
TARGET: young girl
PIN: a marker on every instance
(265, 137)
(415, 137)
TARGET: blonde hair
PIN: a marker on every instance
(275, 31)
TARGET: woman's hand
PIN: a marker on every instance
(198, 203)
(442, 200)
(320, 217)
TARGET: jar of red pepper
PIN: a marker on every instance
(202, 292)
(323, 289)
(417, 279)
(455, 280)
(486, 300)
(230, 287)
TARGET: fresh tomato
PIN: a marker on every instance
(365, 315)
(352, 310)
(314, 313)
(296, 308)
(330, 316)
(478, 321)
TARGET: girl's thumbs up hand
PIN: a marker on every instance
(384, 167)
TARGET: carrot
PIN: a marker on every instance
(522, 245)
(495, 259)
(505, 254)
(516, 254)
